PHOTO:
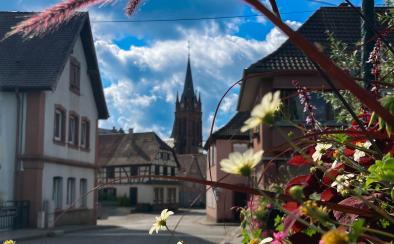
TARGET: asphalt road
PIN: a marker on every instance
(133, 228)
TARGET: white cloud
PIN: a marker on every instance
(229, 103)
(144, 79)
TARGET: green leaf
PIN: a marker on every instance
(315, 196)
(382, 170)
(384, 223)
(310, 232)
(357, 230)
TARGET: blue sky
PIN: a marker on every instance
(143, 64)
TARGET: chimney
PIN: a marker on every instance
(131, 131)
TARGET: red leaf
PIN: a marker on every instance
(327, 195)
(330, 175)
(290, 206)
(303, 180)
(298, 160)
(346, 218)
(348, 152)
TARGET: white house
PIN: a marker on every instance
(50, 102)
(142, 156)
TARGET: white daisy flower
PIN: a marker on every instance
(358, 154)
(161, 221)
(342, 183)
(321, 149)
(241, 164)
(264, 111)
(266, 240)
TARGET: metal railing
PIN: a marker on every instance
(14, 214)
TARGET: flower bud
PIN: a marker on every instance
(296, 192)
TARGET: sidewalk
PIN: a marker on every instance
(30, 234)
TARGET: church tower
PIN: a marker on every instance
(187, 128)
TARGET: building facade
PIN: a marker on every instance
(278, 70)
(187, 128)
(192, 194)
(51, 101)
(228, 139)
(127, 162)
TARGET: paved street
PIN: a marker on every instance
(133, 228)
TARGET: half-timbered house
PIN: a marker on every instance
(128, 162)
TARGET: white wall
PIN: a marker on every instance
(83, 104)
(53, 170)
(7, 144)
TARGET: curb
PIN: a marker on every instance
(59, 232)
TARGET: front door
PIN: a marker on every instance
(240, 200)
(133, 196)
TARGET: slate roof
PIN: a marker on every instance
(36, 64)
(128, 149)
(232, 130)
(342, 21)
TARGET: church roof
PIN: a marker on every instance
(188, 88)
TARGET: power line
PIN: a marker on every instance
(191, 19)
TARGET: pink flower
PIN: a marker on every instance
(279, 238)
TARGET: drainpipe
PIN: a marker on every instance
(17, 143)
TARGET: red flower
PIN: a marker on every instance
(298, 160)
(332, 173)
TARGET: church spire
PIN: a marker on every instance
(188, 89)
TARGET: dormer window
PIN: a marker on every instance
(75, 75)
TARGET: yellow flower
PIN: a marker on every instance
(311, 209)
(9, 242)
(161, 221)
(264, 111)
(241, 164)
(335, 237)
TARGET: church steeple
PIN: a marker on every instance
(187, 128)
(188, 89)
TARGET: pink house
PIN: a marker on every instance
(228, 139)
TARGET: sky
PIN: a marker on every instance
(143, 63)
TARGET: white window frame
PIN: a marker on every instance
(57, 192)
(240, 147)
(83, 190)
(70, 191)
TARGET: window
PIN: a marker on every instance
(75, 74)
(157, 170)
(165, 171)
(57, 192)
(294, 110)
(59, 131)
(73, 129)
(172, 171)
(70, 191)
(240, 147)
(85, 133)
(171, 195)
(133, 170)
(212, 155)
(161, 170)
(83, 190)
(159, 195)
(110, 172)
